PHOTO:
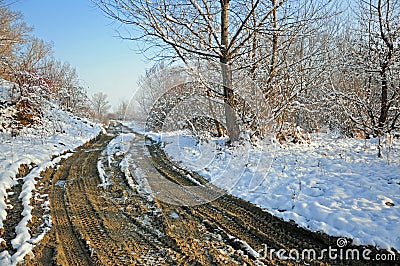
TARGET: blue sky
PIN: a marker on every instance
(85, 38)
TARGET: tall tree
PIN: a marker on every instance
(368, 74)
(224, 32)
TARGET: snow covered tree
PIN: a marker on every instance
(29, 63)
(290, 63)
(156, 81)
(13, 31)
(367, 78)
(59, 75)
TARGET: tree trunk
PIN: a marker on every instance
(254, 47)
(384, 102)
(218, 126)
(385, 36)
(229, 98)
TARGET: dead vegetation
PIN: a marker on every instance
(293, 134)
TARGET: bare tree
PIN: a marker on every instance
(188, 28)
(29, 63)
(59, 75)
(100, 105)
(125, 110)
(368, 75)
(290, 62)
(13, 31)
(122, 110)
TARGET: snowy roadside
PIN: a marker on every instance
(24, 242)
(337, 186)
(38, 148)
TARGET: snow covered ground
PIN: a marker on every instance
(334, 185)
(39, 147)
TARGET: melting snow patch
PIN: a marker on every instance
(102, 174)
(60, 183)
(174, 215)
(124, 164)
(120, 146)
(194, 181)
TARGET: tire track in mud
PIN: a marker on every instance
(235, 226)
(69, 248)
(235, 219)
(97, 225)
(89, 231)
(199, 245)
(116, 225)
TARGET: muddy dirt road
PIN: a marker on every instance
(122, 224)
